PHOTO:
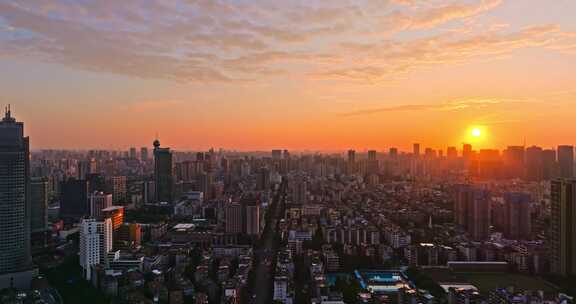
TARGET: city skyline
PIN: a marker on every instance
(357, 74)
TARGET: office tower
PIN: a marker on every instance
(563, 230)
(263, 179)
(534, 168)
(286, 154)
(514, 157)
(549, 164)
(517, 224)
(115, 214)
(128, 236)
(472, 211)
(39, 204)
(15, 259)
(371, 155)
(132, 153)
(429, 153)
(467, 151)
(99, 201)
(566, 161)
(163, 173)
(253, 219)
(234, 220)
(116, 185)
(74, 198)
(452, 153)
(416, 150)
(95, 244)
(276, 154)
(144, 154)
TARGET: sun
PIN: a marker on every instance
(476, 132)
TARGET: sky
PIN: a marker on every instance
(301, 75)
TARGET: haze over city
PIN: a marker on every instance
(287, 152)
(313, 75)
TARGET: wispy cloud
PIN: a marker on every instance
(152, 105)
(163, 39)
(447, 106)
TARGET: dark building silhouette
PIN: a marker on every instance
(517, 212)
(163, 178)
(566, 161)
(74, 199)
(563, 232)
(15, 258)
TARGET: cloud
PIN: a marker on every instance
(388, 59)
(236, 41)
(442, 107)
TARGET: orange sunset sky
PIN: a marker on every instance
(316, 75)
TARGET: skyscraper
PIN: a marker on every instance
(144, 154)
(39, 204)
(132, 153)
(472, 211)
(163, 173)
(95, 243)
(15, 259)
(566, 161)
(534, 165)
(351, 156)
(549, 164)
(563, 232)
(517, 216)
(416, 150)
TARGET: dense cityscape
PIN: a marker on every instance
(155, 225)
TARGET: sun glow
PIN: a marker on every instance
(476, 132)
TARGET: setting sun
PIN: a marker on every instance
(476, 132)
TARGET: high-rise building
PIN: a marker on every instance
(95, 244)
(15, 259)
(563, 230)
(234, 219)
(452, 153)
(467, 151)
(74, 198)
(549, 164)
(566, 161)
(115, 214)
(132, 153)
(163, 173)
(276, 154)
(514, 157)
(534, 164)
(416, 150)
(99, 201)
(263, 179)
(351, 156)
(371, 154)
(472, 211)
(253, 219)
(517, 224)
(144, 154)
(393, 152)
(39, 204)
(117, 186)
